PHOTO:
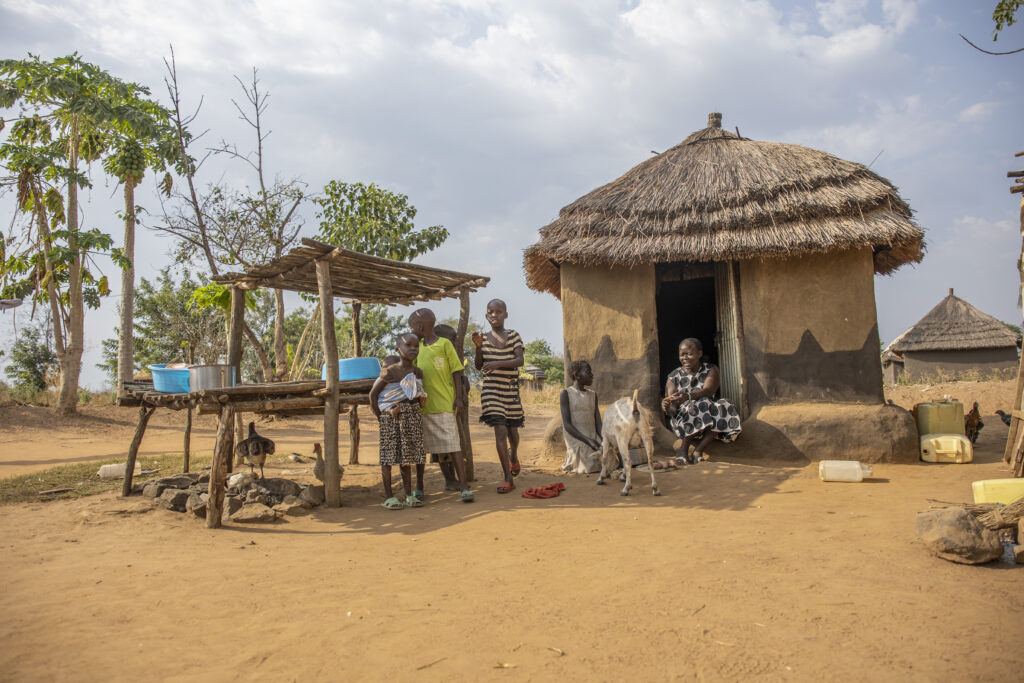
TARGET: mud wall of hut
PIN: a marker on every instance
(971, 364)
(810, 329)
(608, 319)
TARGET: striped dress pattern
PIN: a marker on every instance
(499, 396)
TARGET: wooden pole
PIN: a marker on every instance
(218, 471)
(462, 416)
(145, 412)
(353, 417)
(332, 473)
(1013, 454)
(188, 437)
(235, 332)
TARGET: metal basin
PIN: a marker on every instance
(210, 377)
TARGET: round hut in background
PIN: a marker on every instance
(533, 377)
(764, 251)
(953, 341)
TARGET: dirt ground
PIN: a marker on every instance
(739, 570)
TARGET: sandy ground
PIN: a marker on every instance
(739, 570)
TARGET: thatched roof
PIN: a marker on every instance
(954, 325)
(717, 196)
(355, 276)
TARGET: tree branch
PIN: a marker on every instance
(1010, 52)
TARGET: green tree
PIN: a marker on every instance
(538, 352)
(66, 106)
(1005, 15)
(170, 327)
(31, 359)
(372, 220)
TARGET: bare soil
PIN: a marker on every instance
(739, 570)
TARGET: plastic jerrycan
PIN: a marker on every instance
(843, 470)
(943, 416)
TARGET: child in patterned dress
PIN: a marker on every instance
(499, 354)
(401, 425)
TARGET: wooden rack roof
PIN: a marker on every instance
(355, 276)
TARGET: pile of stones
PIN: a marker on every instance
(246, 500)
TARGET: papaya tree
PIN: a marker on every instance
(66, 106)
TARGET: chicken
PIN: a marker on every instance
(1005, 417)
(318, 466)
(973, 423)
(255, 449)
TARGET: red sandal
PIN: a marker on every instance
(515, 468)
(505, 487)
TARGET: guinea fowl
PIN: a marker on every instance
(255, 449)
(973, 423)
(318, 466)
(1005, 417)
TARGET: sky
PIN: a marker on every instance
(491, 115)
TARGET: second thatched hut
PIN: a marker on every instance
(766, 252)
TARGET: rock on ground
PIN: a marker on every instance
(956, 535)
(254, 513)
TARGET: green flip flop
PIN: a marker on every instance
(467, 496)
(411, 501)
(418, 493)
(392, 503)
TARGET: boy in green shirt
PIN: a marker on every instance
(442, 380)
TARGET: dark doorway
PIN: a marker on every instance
(686, 308)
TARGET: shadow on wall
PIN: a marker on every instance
(812, 374)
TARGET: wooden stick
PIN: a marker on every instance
(218, 472)
(145, 412)
(265, 389)
(188, 438)
(462, 416)
(264, 406)
(332, 473)
(353, 436)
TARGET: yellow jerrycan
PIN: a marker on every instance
(944, 416)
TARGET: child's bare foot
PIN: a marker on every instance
(665, 465)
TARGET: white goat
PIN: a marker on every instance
(626, 421)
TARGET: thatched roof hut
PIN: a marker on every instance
(952, 340)
(765, 251)
(717, 196)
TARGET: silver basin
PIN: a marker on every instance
(210, 377)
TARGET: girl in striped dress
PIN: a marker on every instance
(499, 354)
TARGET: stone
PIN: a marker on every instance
(1018, 553)
(281, 487)
(204, 478)
(314, 495)
(153, 489)
(254, 513)
(231, 506)
(177, 481)
(956, 535)
(196, 504)
(293, 509)
(174, 499)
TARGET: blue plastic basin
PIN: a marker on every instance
(169, 381)
(355, 368)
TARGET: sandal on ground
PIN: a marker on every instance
(557, 486)
(542, 493)
(515, 468)
(392, 503)
(411, 501)
(419, 494)
(467, 496)
(505, 486)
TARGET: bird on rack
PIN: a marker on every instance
(254, 449)
(1005, 417)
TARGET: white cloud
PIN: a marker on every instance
(977, 113)
(836, 16)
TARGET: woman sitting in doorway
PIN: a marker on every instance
(693, 411)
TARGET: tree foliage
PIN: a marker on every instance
(32, 359)
(1005, 15)
(373, 220)
(538, 352)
